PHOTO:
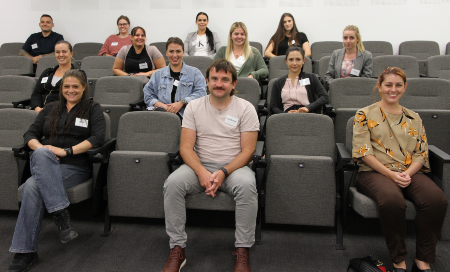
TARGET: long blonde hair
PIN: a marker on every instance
(359, 44)
(247, 48)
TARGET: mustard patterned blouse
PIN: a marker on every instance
(395, 148)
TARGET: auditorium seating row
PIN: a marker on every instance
(304, 178)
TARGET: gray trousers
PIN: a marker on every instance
(241, 184)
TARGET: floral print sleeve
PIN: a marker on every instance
(361, 135)
(421, 151)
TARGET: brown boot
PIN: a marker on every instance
(176, 260)
(242, 263)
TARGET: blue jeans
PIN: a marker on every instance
(45, 189)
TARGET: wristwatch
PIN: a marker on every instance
(224, 170)
(69, 151)
(184, 102)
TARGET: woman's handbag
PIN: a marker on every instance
(365, 264)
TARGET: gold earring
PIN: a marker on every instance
(379, 93)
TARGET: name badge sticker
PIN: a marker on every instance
(34, 46)
(241, 59)
(230, 120)
(176, 82)
(194, 43)
(355, 72)
(44, 80)
(114, 44)
(143, 65)
(80, 122)
(293, 42)
(304, 82)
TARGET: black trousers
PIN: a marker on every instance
(431, 207)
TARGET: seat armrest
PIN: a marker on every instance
(258, 155)
(266, 60)
(21, 104)
(21, 151)
(264, 80)
(261, 105)
(344, 158)
(262, 127)
(101, 154)
(175, 157)
(438, 154)
(137, 105)
(423, 75)
(329, 110)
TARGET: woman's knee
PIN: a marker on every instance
(42, 153)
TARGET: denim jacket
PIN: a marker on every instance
(159, 89)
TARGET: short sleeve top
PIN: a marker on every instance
(284, 44)
(142, 62)
(396, 140)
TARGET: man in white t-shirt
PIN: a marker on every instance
(218, 137)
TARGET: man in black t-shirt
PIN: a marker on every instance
(42, 43)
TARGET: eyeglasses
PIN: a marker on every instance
(122, 24)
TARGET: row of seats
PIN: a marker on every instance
(296, 181)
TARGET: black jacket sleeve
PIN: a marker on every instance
(276, 104)
(319, 93)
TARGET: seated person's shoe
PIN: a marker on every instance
(417, 269)
(66, 231)
(242, 262)
(23, 261)
(176, 260)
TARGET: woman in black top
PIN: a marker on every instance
(297, 92)
(287, 35)
(138, 58)
(60, 136)
(47, 86)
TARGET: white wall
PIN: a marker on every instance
(93, 20)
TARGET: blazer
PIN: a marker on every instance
(254, 65)
(317, 95)
(363, 63)
(189, 50)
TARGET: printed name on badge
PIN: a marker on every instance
(143, 65)
(230, 120)
(114, 44)
(304, 82)
(44, 80)
(80, 122)
(355, 72)
(34, 46)
(194, 43)
(175, 83)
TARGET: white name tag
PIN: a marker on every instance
(194, 43)
(143, 65)
(80, 122)
(34, 46)
(355, 72)
(114, 44)
(230, 120)
(241, 59)
(293, 42)
(304, 82)
(44, 80)
(176, 82)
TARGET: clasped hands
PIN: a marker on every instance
(211, 182)
(401, 179)
(300, 110)
(58, 152)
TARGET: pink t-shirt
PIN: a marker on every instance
(113, 44)
(219, 132)
(346, 68)
(293, 94)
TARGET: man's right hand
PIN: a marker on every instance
(205, 178)
(37, 109)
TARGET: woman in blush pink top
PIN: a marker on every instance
(115, 42)
(297, 92)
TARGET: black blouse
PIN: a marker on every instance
(284, 45)
(94, 132)
(135, 61)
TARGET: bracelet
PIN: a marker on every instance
(224, 171)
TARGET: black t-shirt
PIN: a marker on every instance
(283, 45)
(135, 62)
(37, 44)
(176, 76)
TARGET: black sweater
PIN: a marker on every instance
(317, 95)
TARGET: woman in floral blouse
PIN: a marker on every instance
(391, 149)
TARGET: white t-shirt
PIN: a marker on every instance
(55, 80)
(219, 132)
(237, 63)
(201, 46)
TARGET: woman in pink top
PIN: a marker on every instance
(297, 92)
(115, 42)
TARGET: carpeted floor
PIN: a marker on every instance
(142, 245)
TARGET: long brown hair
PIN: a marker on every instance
(83, 104)
(279, 34)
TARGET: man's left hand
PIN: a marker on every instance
(36, 59)
(174, 107)
(216, 179)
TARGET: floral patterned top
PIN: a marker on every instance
(346, 68)
(395, 147)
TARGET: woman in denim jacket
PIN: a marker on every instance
(171, 88)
